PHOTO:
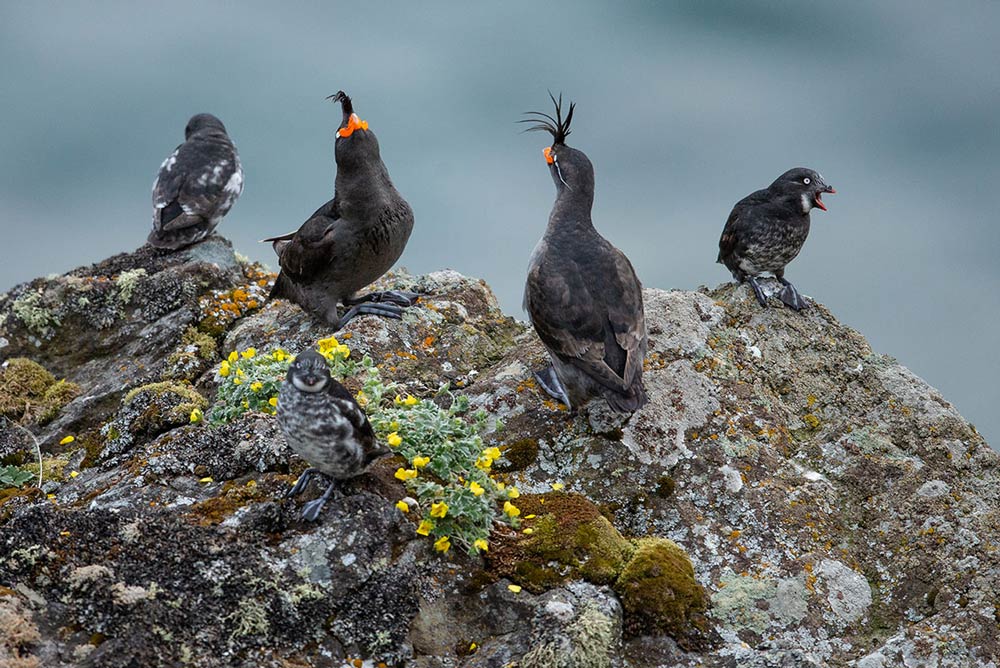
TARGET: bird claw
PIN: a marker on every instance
(791, 297)
(312, 509)
(757, 291)
(301, 484)
(384, 310)
(397, 297)
(549, 381)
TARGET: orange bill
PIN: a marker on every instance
(547, 152)
(353, 123)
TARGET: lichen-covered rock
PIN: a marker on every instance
(788, 497)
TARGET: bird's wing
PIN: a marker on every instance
(736, 223)
(355, 414)
(200, 179)
(303, 261)
(596, 337)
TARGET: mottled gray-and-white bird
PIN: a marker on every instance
(196, 186)
(350, 241)
(767, 229)
(582, 294)
(325, 426)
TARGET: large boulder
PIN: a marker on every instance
(787, 497)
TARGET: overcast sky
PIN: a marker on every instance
(683, 108)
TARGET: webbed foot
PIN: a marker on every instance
(549, 382)
(301, 483)
(312, 509)
(397, 297)
(757, 291)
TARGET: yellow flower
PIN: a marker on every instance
(251, 483)
(394, 425)
(206, 479)
(256, 386)
(361, 398)
(484, 463)
(405, 474)
(410, 400)
(224, 369)
(558, 486)
(196, 415)
(327, 347)
(421, 462)
(530, 517)
(403, 506)
(473, 647)
(442, 544)
(248, 353)
(481, 544)
(425, 528)
(73, 474)
(237, 381)
(513, 492)
(239, 372)
(273, 401)
(492, 453)
(511, 509)
(394, 439)
(68, 439)
(516, 589)
(476, 488)
(279, 355)
(528, 531)
(398, 400)
(501, 486)
(343, 350)
(439, 510)
(234, 356)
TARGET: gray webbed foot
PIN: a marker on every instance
(384, 310)
(549, 382)
(791, 297)
(397, 297)
(757, 291)
(312, 509)
(302, 482)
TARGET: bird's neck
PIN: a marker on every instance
(571, 212)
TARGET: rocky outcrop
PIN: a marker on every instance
(787, 498)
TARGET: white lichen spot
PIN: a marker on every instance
(734, 481)
(848, 592)
(933, 488)
(348, 559)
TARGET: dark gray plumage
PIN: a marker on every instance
(350, 241)
(582, 294)
(767, 229)
(325, 426)
(196, 186)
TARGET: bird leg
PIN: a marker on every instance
(549, 382)
(302, 482)
(757, 290)
(311, 510)
(384, 310)
(397, 297)
(791, 296)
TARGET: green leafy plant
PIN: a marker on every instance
(448, 468)
(14, 476)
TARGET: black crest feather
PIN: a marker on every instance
(345, 102)
(558, 127)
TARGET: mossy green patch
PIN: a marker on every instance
(233, 497)
(518, 455)
(570, 540)
(29, 393)
(659, 593)
(169, 403)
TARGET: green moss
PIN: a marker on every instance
(29, 393)
(126, 282)
(665, 487)
(659, 593)
(233, 497)
(570, 540)
(171, 403)
(53, 469)
(519, 455)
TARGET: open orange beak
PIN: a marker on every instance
(353, 123)
(547, 152)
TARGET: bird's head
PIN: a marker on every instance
(354, 140)
(309, 372)
(570, 168)
(204, 124)
(804, 185)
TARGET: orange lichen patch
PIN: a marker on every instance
(220, 309)
(547, 152)
(353, 123)
(429, 341)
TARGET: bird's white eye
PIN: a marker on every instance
(807, 180)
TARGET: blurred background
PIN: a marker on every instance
(683, 108)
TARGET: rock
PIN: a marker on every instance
(788, 497)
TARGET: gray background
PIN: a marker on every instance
(683, 108)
